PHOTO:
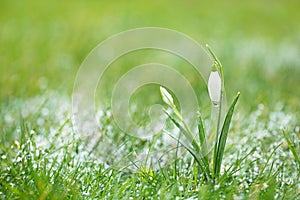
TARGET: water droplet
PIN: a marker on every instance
(216, 104)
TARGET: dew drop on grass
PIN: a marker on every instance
(216, 104)
(181, 188)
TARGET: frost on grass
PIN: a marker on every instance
(50, 142)
(43, 144)
(260, 141)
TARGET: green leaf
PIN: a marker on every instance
(223, 137)
(292, 148)
(188, 136)
(204, 167)
(202, 138)
(217, 63)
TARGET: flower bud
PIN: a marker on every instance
(166, 96)
(214, 86)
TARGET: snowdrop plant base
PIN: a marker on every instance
(197, 147)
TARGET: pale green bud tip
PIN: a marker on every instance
(166, 96)
(214, 67)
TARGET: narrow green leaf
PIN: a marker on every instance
(202, 137)
(202, 166)
(195, 144)
(268, 159)
(186, 133)
(291, 147)
(223, 137)
(218, 64)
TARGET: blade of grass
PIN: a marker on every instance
(202, 138)
(223, 137)
(268, 160)
(186, 133)
(202, 166)
(176, 154)
(194, 143)
(292, 148)
(236, 166)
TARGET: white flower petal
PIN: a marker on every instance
(214, 86)
(167, 97)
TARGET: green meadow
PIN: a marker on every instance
(42, 156)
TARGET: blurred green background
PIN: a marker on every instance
(44, 42)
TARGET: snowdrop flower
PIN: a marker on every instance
(214, 86)
(166, 96)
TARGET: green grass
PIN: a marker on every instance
(49, 160)
(42, 157)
